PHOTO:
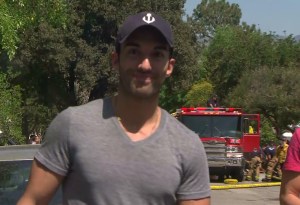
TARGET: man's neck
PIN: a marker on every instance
(139, 118)
(129, 105)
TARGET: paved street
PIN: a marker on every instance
(246, 196)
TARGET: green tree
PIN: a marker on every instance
(16, 15)
(199, 94)
(267, 133)
(273, 92)
(233, 51)
(288, 51)
(211, 14)
(10, 112)
(56, 69)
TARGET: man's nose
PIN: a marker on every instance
(145, 64)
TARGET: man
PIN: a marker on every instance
(275, 164)
(36, 139)
(254, 167)
(290, 185)
(281, 152)
(213, 101)
(124, 149)
(251, 130)
(269, 152)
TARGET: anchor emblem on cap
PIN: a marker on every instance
(148, 18)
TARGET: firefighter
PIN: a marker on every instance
(275, 164)
(272, 163)
(213, 101)
(254, 166)
(269, 152)
(281, 153)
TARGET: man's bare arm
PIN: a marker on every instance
(290, 188)
(204, 201)
(41, 187)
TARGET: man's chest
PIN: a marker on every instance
(152, 169)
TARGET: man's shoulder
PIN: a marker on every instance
(87, 110)
(210, 100)
(89, 107)
(271, 149)
(90, 104)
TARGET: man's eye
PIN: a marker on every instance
(158, 55)
(133, 52)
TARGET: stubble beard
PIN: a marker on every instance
(133, 89)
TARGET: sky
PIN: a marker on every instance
(279, 16)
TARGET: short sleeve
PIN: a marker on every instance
(54, 152)
(292, 162)
(195, 178)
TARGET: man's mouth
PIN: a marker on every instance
(143, 77)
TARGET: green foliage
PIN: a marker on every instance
(211, 14)
(8, 29)
(19, 14)
(56, 69)
(231, 52)
(10, 112)
(199, 94)
(288, 51)
(272, 92)
(171, 101)
(267, 133)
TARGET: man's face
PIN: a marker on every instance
(36, 139)
(143, 63)
(282, 142)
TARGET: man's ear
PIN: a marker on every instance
(170, 67)
(115, 60)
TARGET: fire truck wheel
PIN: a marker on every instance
(221, 177)
(238, 174)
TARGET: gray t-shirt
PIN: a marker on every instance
(103, 166)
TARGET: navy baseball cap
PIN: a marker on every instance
(136, 21)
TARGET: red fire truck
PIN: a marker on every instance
(229, 136)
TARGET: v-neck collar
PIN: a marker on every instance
(124, 135)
